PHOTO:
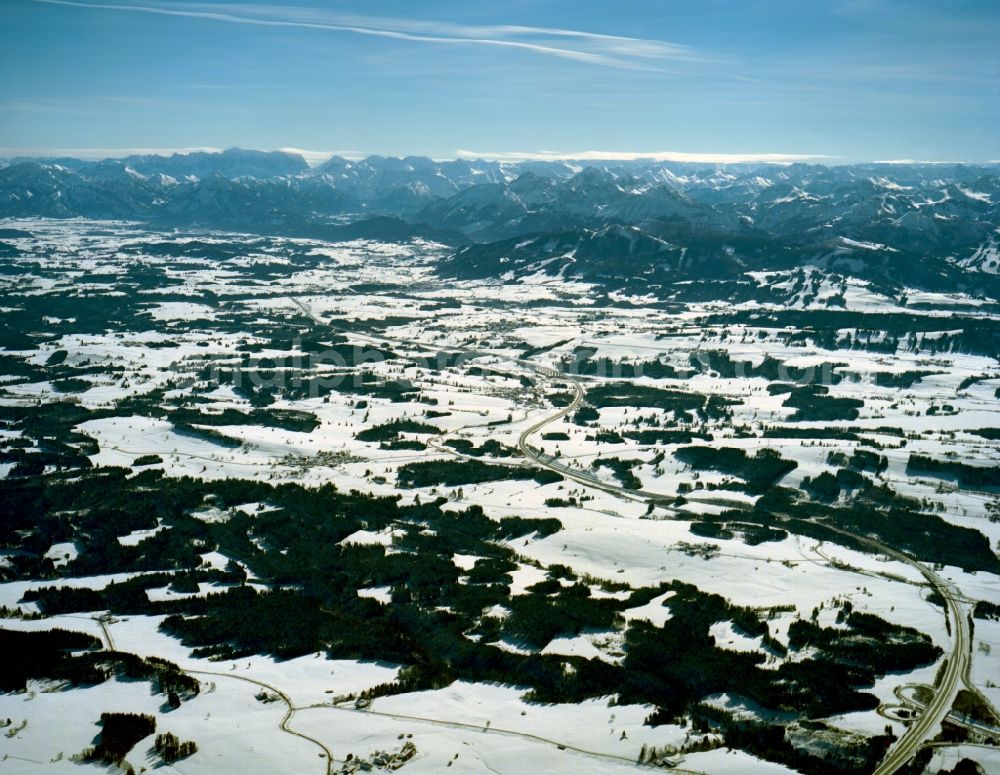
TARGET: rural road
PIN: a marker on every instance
(289, 711)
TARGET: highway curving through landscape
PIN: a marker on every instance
(957, 664)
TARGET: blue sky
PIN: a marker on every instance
(846, 79)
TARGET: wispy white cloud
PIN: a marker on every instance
(587, 47)
(678, 156)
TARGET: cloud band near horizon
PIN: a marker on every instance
(314, 157)
(678, 156)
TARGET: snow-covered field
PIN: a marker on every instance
(196, 319)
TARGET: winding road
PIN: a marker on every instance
(289, 711)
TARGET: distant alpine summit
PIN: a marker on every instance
(934, 226)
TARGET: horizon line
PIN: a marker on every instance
(316, 158)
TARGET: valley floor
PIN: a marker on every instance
(794, 498)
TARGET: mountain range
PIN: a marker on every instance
(933, 226)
